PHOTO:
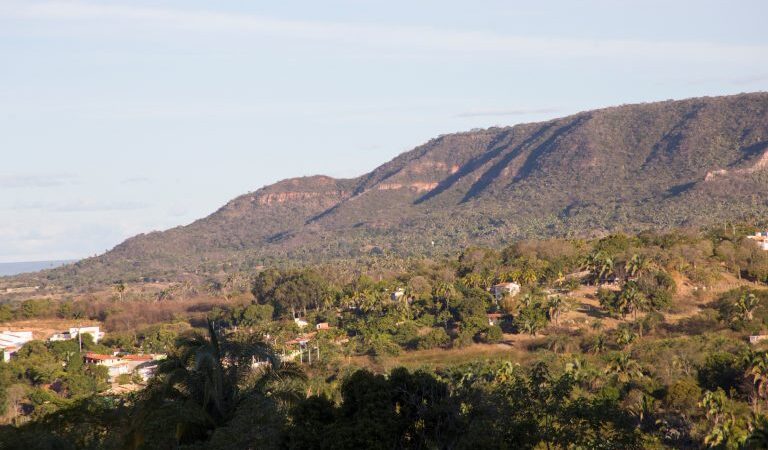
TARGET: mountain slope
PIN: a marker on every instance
(689, 162)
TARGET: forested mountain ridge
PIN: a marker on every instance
(673, 163)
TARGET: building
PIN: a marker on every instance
(502, 290)
(757, 338)
(73, 332)
(143, 365)
(12, 341)
(301, 323)
(494, 318)
(398, 294)
(761, 237)
(322, 326)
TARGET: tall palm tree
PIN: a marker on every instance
(444, 291)
(757, 371)
(120, 289)
(555, 307)
(632, 299)
(207, 377)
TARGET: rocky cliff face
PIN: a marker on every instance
(689, 162)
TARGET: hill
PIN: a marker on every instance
(693, 162)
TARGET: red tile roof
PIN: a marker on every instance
(99, 357)
(301, 339)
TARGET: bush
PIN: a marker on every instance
(683, 395)
(720, 370)
(124, 378)
(437, 337)
(492, 335)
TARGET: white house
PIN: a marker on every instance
(144, 365)
(502, 290)
(761, 237)
(73, 332)
(12, 341)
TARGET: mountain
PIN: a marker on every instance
(673, 163)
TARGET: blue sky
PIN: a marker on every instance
(120, 117)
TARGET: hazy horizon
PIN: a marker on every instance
(18, 267)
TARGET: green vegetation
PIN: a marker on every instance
(627, 341)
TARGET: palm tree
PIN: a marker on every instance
(208, 377)
(555, 307)
(599, 344)
(632, 299)
(746, 306)
(530, 320)
(505, 373)
(120, 289)
(722, 423)
(624, 368)
(636, 265)
(758, 439)
(757, 371)
(529, 276)
(444, 291)
(605, 268)
(473, 280)
(590, 264)
(625, 337)
(578, 370)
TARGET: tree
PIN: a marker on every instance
(598, 343)
(757, 372)
(632, 299)
(724, 430)
(120, 289)
(636, 265)
(624, 368)
(758, 438)
(444, 292)
(201, 385)
(625, 336)
(746, 306)
(531, 319)
(555, 307)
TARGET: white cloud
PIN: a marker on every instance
(407, 37)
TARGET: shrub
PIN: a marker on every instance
(720, 370)
(437, 337)
(492, 335)
(683, 395)
(124, 378)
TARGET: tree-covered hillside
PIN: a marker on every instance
(674, 163)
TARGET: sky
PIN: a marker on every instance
(123, 117)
